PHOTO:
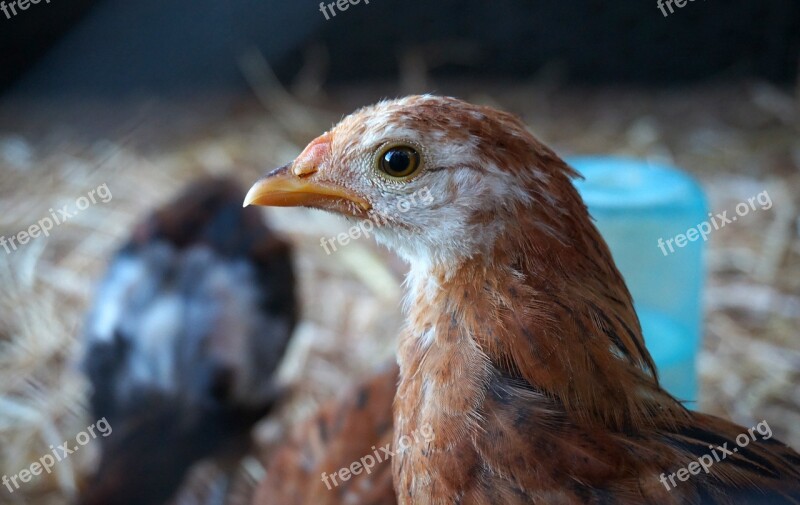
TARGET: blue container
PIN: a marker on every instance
(640, 209)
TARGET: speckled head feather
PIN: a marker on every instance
(476, 175)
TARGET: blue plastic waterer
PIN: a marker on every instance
(639, 207)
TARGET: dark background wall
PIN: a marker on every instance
(119, 47)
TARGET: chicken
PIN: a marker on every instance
(521, 350)
(340, 454)
(187, 328)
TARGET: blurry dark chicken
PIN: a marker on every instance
(186, 330)
(522, 352)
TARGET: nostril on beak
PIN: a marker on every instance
(304, 169)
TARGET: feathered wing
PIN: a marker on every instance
(533, 453)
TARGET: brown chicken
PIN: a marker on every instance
(186, 330)
(522, 351)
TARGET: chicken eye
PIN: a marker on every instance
(399, 161)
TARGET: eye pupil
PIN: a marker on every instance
(400, 161)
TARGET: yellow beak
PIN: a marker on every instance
(283, 188)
